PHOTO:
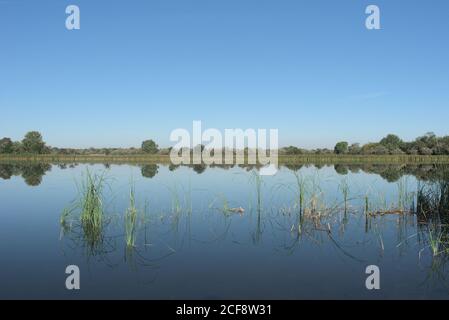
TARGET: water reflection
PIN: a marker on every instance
(32, 173)
(331, 215)
(149, 170)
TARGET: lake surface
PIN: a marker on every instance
(308, 232)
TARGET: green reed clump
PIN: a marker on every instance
(91, 204)
(131, 220)
(435, 241)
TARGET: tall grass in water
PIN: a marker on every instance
(344, 189)
(64, 222)
(84, 219)
(366, 204)
(181, 202)
(405, 197)
(367, 219)
(131, 220)
(257, 180)
(301, 185)
(435, 242)
(91, 204)
(181, 210)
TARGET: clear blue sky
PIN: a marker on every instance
(139, 69)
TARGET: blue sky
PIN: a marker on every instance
(139, 69)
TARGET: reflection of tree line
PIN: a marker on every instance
(393, 173)
(33, 172)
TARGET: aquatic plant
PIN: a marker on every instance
(257, 180)
(344, 189)
(301, 189)
(91, 204)
(64, 221)
(131, 220)
(405, 197)
(435, 242)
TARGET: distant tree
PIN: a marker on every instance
(428, 140)
(165, 151)
(380, 150)
(291, 150)
(425, 151)
(33, 142)
(149, 146)
(17, 147)
(341, 147)
(354, 148)
(6, 145)
(396, 151)
(374, 148)
(410, 147)
(392, 142)
(323, 151)
(442, 146)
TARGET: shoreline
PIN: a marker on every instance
(283, 159)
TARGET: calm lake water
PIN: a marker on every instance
(307, 232)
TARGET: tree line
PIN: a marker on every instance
(33, 143)
(428, 144)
